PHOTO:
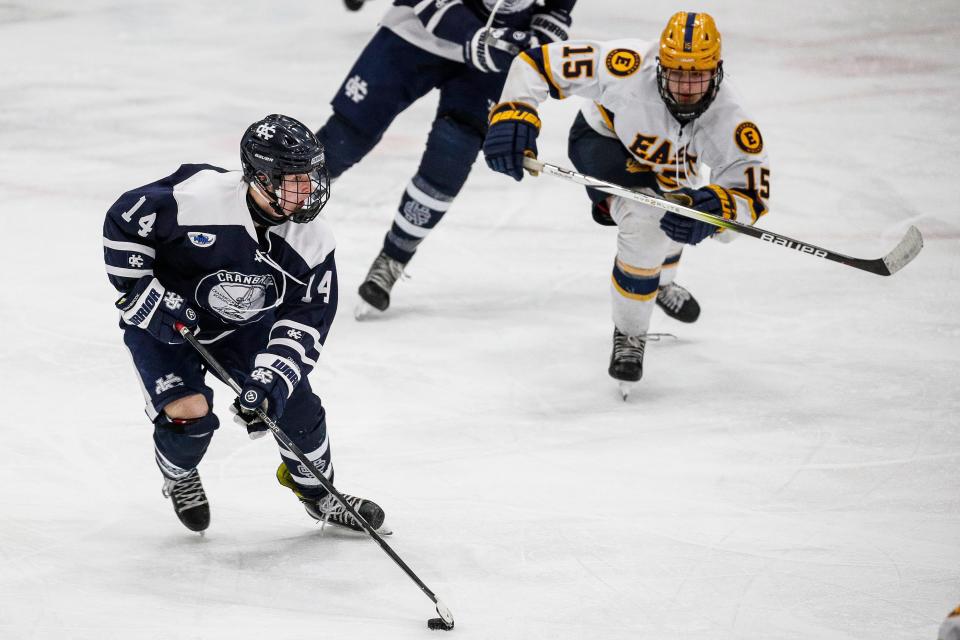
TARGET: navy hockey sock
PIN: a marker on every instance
(452, 148)
(421, 208)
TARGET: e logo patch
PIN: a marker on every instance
(748, 138)
(623, 62)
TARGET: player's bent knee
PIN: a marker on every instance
(633, 218)
(632, 225)
(189, 407)
(193, 427)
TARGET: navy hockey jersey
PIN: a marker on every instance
(442, 26)
(192, 230)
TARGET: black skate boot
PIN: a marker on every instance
(626, 360)
(328, 509)
(383, 274)
(678, 303)
(189, 501)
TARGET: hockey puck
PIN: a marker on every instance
(438, 623)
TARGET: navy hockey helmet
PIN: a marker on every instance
(283, 160)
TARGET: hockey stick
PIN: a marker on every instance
(445, 616)
(901, 255)
(493, 14)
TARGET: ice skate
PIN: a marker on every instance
(376, 287)
(626, 361)
(678, 303)
(189, 501)
(329, 510)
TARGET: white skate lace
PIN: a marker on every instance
(385, 271)
(335, 512)
(187, 491)
(628, 348)
(673, 296)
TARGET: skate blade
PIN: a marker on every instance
(657, 337)
(625, 389)
(365, 310)
(384, 531)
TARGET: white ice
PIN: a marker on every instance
(787, 469)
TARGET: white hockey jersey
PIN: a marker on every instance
(620, 79)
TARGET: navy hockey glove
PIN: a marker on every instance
(268, 386)
(492, 50)
(149, 306)
(256, 428)
(552, 26)
(513, 131)
(711, 199)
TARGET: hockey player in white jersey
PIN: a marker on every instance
(658, 112)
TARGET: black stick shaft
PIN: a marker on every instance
(306, 462)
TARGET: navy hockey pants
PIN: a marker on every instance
(605, 158)
(168, 372)
(389, 76)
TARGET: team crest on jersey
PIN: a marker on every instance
(623, 62)
(238, 298)
(201, 239)
(748, 138)
(671, 166)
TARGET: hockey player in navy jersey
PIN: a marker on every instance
(424, 45)
(240, 258)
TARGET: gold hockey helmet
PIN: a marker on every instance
(690, 41)
(689, 67)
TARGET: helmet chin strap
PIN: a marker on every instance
(260, 216)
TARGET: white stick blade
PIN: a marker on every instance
(905, 251)
(444, 612)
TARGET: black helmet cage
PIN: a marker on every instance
(685, 113)
(278, 147)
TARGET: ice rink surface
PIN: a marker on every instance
(787, 469)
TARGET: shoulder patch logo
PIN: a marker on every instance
(748, 138)
(201, 239)
(623, 62)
